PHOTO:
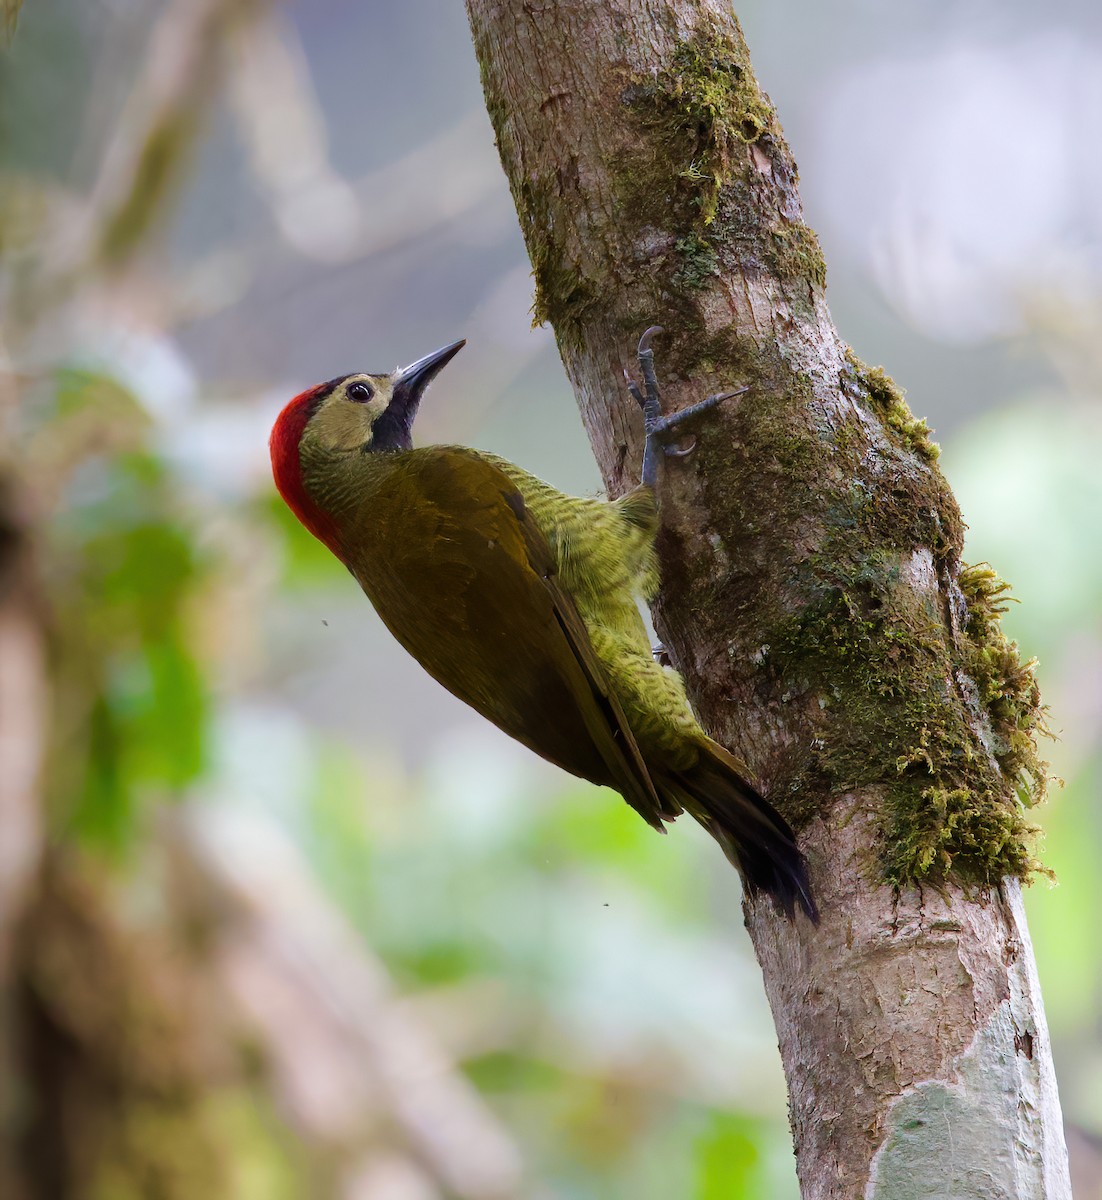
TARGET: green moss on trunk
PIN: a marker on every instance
(696, 115)
(684, 183)
(943, 715)
(691, 171)
(901, 713)
(1007, 687)
(913, 686)
(888, 404)
(564, 294)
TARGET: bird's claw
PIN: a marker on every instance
(656, 426)
(634, 390)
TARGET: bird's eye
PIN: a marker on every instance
(361, 393)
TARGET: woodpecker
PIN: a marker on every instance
(522, 601)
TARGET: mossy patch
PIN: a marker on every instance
(887, 400)
(696, 113)
(686, 186)
(880, 657)
(690, 171)
(563, 295)
(697, 262)
(941, 715)
(912, 507)
(1007, 686)
(797, 253)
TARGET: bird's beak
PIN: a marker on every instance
(393, 429)
(410, 382)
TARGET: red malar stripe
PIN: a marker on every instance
(287, 467)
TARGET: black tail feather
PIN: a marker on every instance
(755, 837)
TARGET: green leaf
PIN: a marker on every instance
(729, 1161)
(307, 562)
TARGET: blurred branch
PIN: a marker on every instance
(344, 1054)
(9, 20)
(319, 212)
(23, 705)
(56, 242)
(284, 130)
(159, 127)
(151, 146)
(159, 1042)
(390, 206)
(23, 701)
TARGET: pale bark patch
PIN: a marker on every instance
(949, 1138)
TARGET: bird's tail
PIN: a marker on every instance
(754, 836)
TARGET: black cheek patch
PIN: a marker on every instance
(391, 431)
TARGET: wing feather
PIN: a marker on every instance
(467, 581)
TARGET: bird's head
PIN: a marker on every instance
(349, 415)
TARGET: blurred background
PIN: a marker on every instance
(278, 918)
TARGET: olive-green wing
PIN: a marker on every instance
(465, 579)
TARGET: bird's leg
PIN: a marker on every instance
(660, 430)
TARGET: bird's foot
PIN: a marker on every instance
(661, 430)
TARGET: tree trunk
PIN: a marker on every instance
(813, 596)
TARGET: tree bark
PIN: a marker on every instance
(813, 596)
